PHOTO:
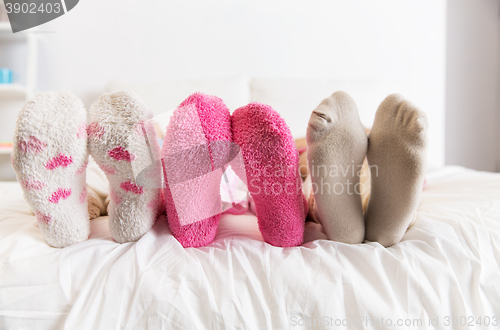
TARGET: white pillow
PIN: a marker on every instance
(295, 98)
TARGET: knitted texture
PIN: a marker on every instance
(336, 148)
(397, 158)
(272, 170)
(129, 160)
(194, 152)
(48, 156)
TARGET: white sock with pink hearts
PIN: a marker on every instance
(122, 142)
(50, 157)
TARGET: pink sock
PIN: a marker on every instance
(272, 171)
(194, 153)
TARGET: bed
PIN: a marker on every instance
(444, 274)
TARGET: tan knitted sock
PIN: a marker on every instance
(396, 155)
(337, 145)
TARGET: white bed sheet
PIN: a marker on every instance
(448, 264)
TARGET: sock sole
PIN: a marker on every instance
(194, 152)
(337, 145)
(50, 158)
(396, 156)
(272, 173)
(122, 142)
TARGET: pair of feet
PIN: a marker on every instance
(395, 151)
(201, 140)
(52, 143)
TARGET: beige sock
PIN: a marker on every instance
(396, 155)
(337, 145)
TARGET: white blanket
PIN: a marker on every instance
(445, 271)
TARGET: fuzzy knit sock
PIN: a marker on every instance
(121, 141)
(272, 173)
(50, 157)
(337, 144)
(194, 153)
(396, 155)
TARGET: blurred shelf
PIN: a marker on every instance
(5, 27)
(10, 94)
(6, 32)
(13, 89)
(6, 150)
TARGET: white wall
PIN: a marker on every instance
(393, 45)
(473, 76)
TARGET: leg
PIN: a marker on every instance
(272, 171)
(194, 151)
(50, 157)
(98, 190)
(95, 204)
(118, 143)
(396, 155)
(337, 144)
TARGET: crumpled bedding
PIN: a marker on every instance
(444, 274)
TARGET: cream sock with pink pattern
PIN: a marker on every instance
(122, 142)
(50, 157)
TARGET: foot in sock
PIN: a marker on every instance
(50, 157)
(272, 172)
(119, 143)
(396, 155)
(337, 144)
(194, 153)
